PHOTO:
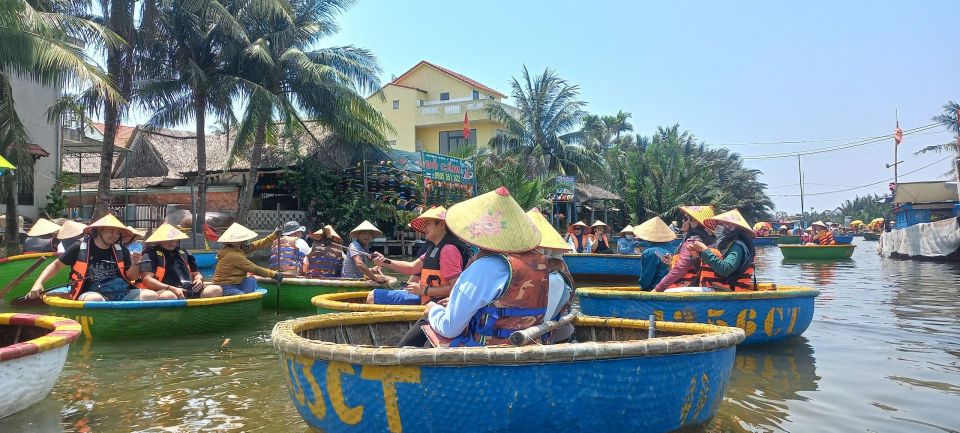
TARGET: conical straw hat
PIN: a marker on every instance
(580, 224)
(699, 213)
(599, 223)
(730, 218)
(366, 226)
(166, 232)
(43, 227)
(627, 229)
(109, 221)
(237, 233)
(436, 213)
(783, 227)
(549, 238)
(71, 229)
(654, 230)
(327, 231)
(495, 222)
(137, 233)
(819, 223)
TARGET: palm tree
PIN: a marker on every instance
(185, 73)
(544, 130)
(285, 82)
(950, 119)
(38, 44)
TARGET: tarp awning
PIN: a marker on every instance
(925, 192)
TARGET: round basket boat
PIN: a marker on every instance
(843, 239)
(296, 293)
(765, 315)
(871, 236)
(789, 240)
(342, 377)
(817, 252)
(18, 273)
(603, 267)
(356, 301)
(144, 319)
(206, 259)
(765, 241)
(33, 350)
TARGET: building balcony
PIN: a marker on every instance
(441, 112)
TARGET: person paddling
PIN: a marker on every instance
(358, 263)
(230, 276)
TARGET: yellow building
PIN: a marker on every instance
(426, 106)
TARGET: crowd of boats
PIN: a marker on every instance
(551, 329)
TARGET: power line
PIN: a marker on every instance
(838, 147)
(825, 140)
(866, 185)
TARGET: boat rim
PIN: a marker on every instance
(54, 301)
(620, 256)
(63, 331)
(703, 338)
(26, 256)
(820, 246)
(635, 293)
(335, 301)
(328, 282)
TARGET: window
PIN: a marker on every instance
(396, 105)
(450, 141)
(393, 143)
(476, 95)
(445, 96)
(418, 145)
(25, 186)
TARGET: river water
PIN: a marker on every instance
(882, 355)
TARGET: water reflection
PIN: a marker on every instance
(765, 380)
(43, 417)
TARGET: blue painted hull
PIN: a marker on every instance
(765, 316)
(205, 259)
(640, 394)
(603, 267)
(843, 239)
(764, 241)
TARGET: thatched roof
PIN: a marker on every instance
(132, 183)
(586, 192)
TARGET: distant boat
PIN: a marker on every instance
(870, 236)
(817, 252)
(788, 240)
(764, 241)
(843, 239)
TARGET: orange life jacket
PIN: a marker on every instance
(577, 246)
(742, 282)
(692, 277)
(430, 275)
(826, 238)
(522, 303)
(162, 266)
(79, 269)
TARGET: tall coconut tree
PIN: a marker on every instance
(38, 44)
(545, 128)
(287, 82)
(950, 119)
(185, 74)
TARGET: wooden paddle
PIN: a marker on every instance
(21, 277)
(23, 301)
(525, 336)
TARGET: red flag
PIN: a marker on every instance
(210, 233)
(898, 134)
(466, 126)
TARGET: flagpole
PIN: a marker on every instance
(895, 146)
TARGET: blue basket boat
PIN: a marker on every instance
(603, 267)
(767, 315)
(765, 241)
(206, 259)
(843, 239)
(342, 377)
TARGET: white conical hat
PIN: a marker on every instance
(237, 233)
(654, 230)
(43, 227)
(366, 226)
(166, 232)
(71, 229)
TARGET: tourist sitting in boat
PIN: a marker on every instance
(684, 265)
(821, 235)
(134, 243)
(358, 262)
(806, 237)
(101, 268)
(579, 238)
(675, 228)
(42, 237)
(652, 267)
(599, 240)
(326, 256)
(289, 254)
(230, 275)
(627, 244)
(784, 230)
(70, 234)
(438, 268)
(504, 289)
(170, 271)
(728, 266)
(561, 286)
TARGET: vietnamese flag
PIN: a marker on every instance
(466, 126)
(898, 134)
(209, 233)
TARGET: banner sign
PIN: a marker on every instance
(566, 184)
(447, 180)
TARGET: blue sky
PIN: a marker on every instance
(730, 72)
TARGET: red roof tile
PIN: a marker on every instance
(460, 77)
(123, 134)
(37, 151)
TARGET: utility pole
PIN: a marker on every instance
(800, 172)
